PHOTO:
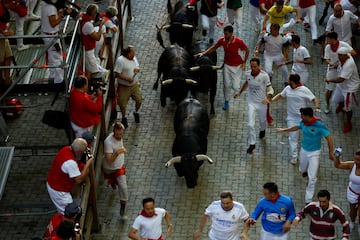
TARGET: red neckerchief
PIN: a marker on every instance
(143, 213)
(254, 75)
(276, 198)
(298, 85)
(335, 46)
(312, 121)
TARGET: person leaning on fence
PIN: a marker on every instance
(72, 214)
(109, 27)
(84, 108)
(89, 37)
(64, 173)
(50, 20)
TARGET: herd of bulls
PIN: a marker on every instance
(181, 75)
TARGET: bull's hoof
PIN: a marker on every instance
(155, 86)
(212, 112)
(163, 102)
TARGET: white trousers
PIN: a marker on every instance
(60, 199)
(78, 130)
(231, 79)
(234, 17)
(260, 110)
(208, 24)
(293, 139)
(19, 22)
(270, 236)
(310, 13)
(54, 58)
(277, 59)
(122, 184)
(309, 162)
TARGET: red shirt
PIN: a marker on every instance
(83, 111)
(231, 49)
(53, 224)
(87, 40)
(268, 4)
(306, 3)
(57, 179)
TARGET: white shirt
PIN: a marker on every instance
(257, 86)
(71, 168)
(354, 182)
(126, 67)
(111, 145)
(349, 72)
(226, 225)
(333, 56)
(300, 53)
(88, 28)
(48, 10)
(150, 227)
(297, 98)
(342, 25)
(274, 45)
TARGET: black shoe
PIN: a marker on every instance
(250, 149)
(124, 122)
(137, 117)
(204, 32)
(211, 41)
(262, 134)
(304, 174)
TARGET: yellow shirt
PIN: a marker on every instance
(279, 17)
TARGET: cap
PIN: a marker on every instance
(343, 51)
(72, 209)
(88, 136)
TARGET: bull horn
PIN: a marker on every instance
(165, 27)
(202, 157)
(190, 81)
(216, 67)
(176, 159)
(184, 25)
(167, 81)
(193, 69)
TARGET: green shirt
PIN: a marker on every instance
(234, 4)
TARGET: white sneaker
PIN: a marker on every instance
(22, 47)
(327, 110)
(293, 161)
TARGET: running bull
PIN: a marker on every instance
(191, 125)
(204, 72)
(184, 19)
(174, 66)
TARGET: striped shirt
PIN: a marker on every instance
(322, 222)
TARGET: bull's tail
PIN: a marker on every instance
(159, 37)
(169, 7)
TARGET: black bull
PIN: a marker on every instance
(183, 21)
(174, 66)
(205, 73)
(191, 125)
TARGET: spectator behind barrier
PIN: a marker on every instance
(84, 108)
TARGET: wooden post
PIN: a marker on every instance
(93, 200)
